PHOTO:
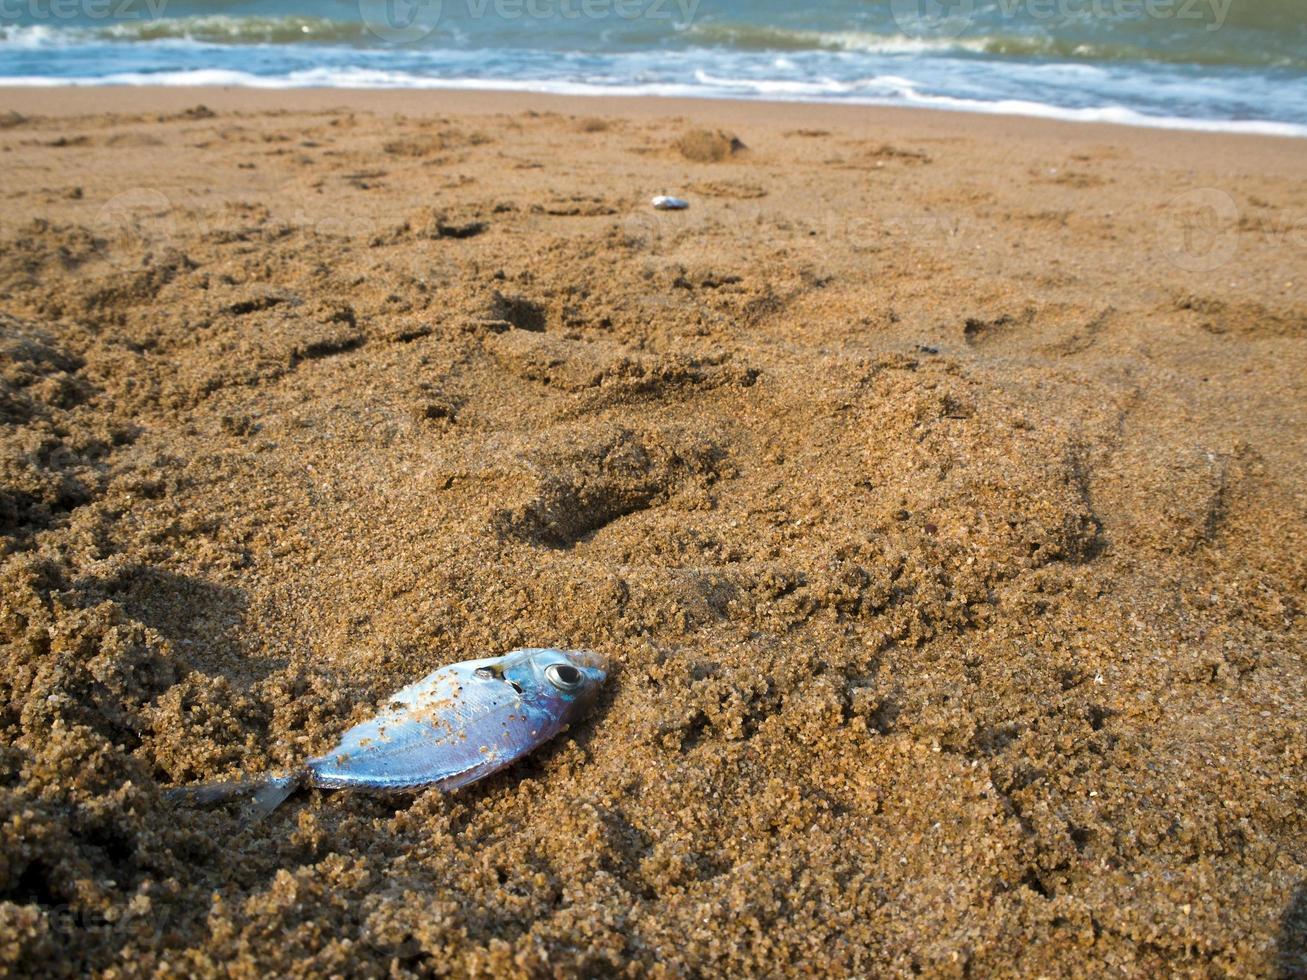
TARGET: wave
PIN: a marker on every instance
(209, 29)
(759, 37)
(886, 90)
(226, 29)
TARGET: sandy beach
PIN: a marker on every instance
(936, 483)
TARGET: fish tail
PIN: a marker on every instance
(264, 794)
(272, 792)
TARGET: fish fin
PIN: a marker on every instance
(271, 793)
(264, 794)
(483, 769)
(209, 794)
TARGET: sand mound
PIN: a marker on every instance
(709, 146)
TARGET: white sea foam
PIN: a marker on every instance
(1120, 115)
(887, 90)
(34, 37)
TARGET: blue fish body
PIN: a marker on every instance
(458, 724)
(463, 722)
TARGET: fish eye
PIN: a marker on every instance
(565, 677)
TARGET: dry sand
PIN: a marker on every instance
(936, 482)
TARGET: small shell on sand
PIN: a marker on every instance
(664, 203)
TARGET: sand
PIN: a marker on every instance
(935, 483)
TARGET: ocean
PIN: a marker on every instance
(1238, 65)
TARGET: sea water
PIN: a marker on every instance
(1206, 64)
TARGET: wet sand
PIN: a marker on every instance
(935, 482)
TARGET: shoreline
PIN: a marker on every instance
(60, 100)
(1028, 111)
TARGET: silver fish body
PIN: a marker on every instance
(464, 722)
(458, 724)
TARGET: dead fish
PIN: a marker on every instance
(665, 203)
(458, 724)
